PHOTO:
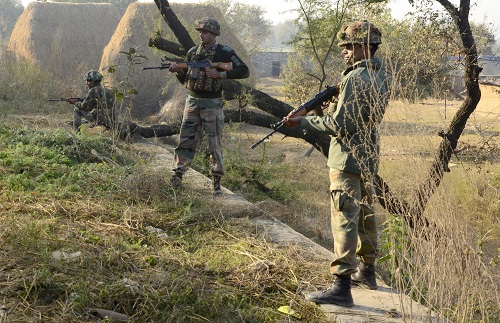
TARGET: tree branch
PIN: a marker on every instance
(167, 46)
(174, 24)
(457, 125)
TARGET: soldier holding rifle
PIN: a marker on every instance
(97, 106)
(203, 109)
(353, 160)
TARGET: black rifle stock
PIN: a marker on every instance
(195, 64)
(303, 109)
(66, 99)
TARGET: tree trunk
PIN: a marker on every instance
(174, 24)
(128, 128)
(457, 125)
(166, 45)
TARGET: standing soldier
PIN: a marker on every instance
(203, 109)
(97, 107)
(353, 160)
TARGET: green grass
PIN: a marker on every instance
(91, 195)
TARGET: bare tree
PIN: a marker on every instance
(450, 136)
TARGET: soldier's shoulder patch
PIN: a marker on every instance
(226, 48)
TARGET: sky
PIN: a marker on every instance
(277, 9)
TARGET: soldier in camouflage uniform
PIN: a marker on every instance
(203, 109)
(97, 107)
(353, 160)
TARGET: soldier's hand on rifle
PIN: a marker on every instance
(174, 68)
(212, 73)
(292, 122)
(72, 100)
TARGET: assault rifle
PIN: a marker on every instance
(195, 64)
(66, 99)
(303, 109)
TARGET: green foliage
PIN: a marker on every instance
(395, 253)
(256, 180)
(196, 268)
(10, 10)
(299, 83)
(415, 51)
(56, 163)
(484, 37)
(124, 91)
(317, 60)
(246, 21)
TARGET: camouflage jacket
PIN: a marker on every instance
(99, 98)
(363, 99)
(216, 53)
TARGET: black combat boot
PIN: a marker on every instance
(176, 179)
(365, 275)
(217, 189)
(339, 293)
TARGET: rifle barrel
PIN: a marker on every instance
(155, 68)
(303, 109)
(275, 126)
(262, 139)
(66, 99)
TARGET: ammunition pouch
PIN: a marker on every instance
(197, 81)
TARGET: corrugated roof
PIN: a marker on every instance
(491, 67)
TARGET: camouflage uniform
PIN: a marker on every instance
(203, 109)
(354, 158)
(97, 107)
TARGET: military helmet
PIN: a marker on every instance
(208, 24)
(358, 33)
(93, 76)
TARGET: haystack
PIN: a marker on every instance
(156, 87)
(66, 39)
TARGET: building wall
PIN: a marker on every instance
(270, 64)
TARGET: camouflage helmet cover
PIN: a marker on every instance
(358, 33)
(93, 76)
(208, 24)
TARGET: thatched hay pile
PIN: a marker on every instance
(156, 87)
(66, 39)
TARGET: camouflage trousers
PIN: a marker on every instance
(95, 117)
(200, 115)
(354, 226)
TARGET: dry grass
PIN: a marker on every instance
(457, 261)
(142, 249)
